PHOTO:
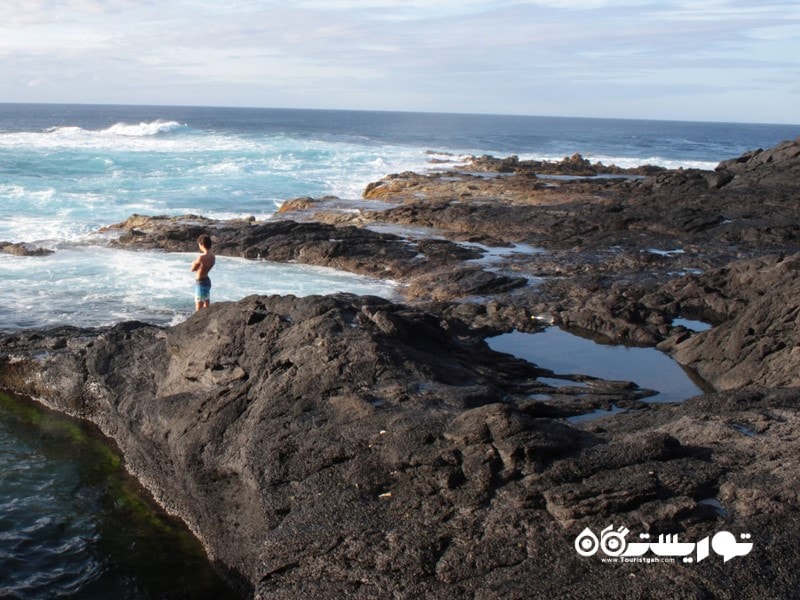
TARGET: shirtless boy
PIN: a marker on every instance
(202, 265)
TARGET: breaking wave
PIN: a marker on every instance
(144, 128)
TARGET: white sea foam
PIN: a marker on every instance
(42, 232)
(91, 286)
(69, 181)
(123, 137)
(628, 162)
(144, 128)
(225, 168)
(12, 191)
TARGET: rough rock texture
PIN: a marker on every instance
(763, 167)
(518, 188)
(608, 247)
(575, 165)
(757, 339)
(23, 249)
(669, 211)
(751, 306)
(349, 447)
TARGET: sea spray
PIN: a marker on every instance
(89, 286)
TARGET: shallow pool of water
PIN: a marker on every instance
(596, 414)
(567, 353)
(73, 524)
(691, 324)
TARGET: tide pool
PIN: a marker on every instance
(73, 524)
(567, 353)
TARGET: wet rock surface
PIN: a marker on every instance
(23, 249)
(354, 447)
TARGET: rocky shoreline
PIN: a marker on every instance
(349, 446)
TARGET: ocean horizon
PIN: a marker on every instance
(102, 105)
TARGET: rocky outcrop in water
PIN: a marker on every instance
(575, 165)
(437, 266)
(23, 249)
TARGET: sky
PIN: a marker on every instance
(699, 60)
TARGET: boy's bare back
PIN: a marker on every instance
(203, 264)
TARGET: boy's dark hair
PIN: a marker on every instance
(205, 241)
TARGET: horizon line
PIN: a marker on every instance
(410, 112)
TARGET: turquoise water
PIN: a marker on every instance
(67, 170)
(60, 182)
(692, 324)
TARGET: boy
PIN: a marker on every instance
(202, 265)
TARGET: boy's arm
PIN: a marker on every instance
(196, 264)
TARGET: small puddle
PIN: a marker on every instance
(556, 382)
(691, 324)
(716, 505)
(407, 231)
(667, 253)
(493, 254)
(564, 352)
(596, 414)
(744, 429)
(582, 177)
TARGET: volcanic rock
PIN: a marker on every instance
(755, 340)
(575, 165)
(350, 447)
(779, 165)
(23, 249)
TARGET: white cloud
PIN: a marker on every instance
(472, 55)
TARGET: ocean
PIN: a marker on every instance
(68, 170)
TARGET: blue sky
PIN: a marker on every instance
(716, 60)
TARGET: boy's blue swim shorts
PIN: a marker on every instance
(202, 289)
